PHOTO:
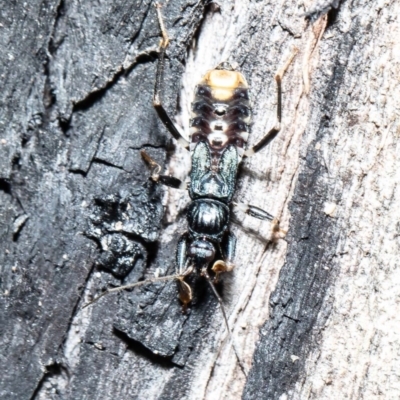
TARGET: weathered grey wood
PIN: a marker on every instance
(314, 314)
(76, 110)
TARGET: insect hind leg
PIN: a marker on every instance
(270, 136)
(157, 102)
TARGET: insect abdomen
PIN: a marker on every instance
(221, 111)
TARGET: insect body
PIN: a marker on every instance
(219, 130)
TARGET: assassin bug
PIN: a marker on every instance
(221, 114)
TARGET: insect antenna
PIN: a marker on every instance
(242, 366)
(130, 286)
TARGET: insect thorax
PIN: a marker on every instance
(208, 219)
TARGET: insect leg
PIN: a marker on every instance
(157, 103)
(163, 179)
(183, 270)
(228, 250)
(275, 130)
(254, 211)
(259, 213)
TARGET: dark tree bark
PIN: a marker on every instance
(313, 314)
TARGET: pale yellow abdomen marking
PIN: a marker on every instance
(223, 83)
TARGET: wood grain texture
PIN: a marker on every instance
(314, 315)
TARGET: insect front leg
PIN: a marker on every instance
(183, 269)
(270, 136)
(228, 250)
(157, 102)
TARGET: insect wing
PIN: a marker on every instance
(201, 166)
(227, 168)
